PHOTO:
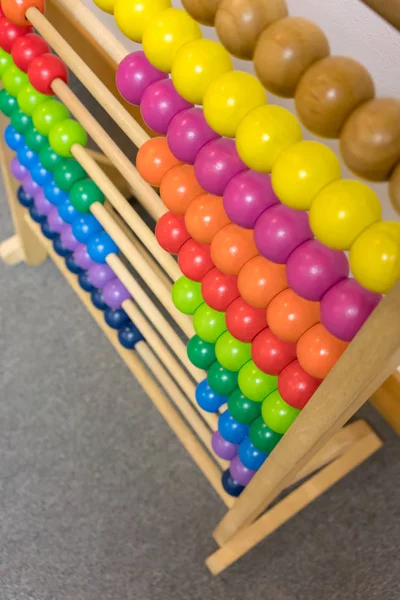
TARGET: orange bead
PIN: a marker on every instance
(318, 351)
(289, 315)
(232, 247)
(260, 280)
(15, 10)
(204, 217)
(154, 160)
(179, 187)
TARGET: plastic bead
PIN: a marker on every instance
(186, 295)
(318, 351)
(204, 217)
(394, 189)
(13, 139)
(49, 159)
(67, 212)
(14, 80)
(48, 114)
(20, 121)
(240, 473)
(99, 274)
(116, 319)
(208, 323)
(247, 196)
(54, 194)
(243, 321)
(263, 438)
(82, 258)
(232, 247)
(201, 353)
(7, 103)
(43, 70)
(15, 10)
(221, 380)
(84, 282)
(68, 173)
(47, 232)
(9, 33)
(40, 175)
(65, 134)
(219, 290)
(154, 160)
(100, 246)
(67, 238)
(26, 157)
(106, 5)
(289, 315)
(222, 448)
(98, 301)
(179, 187)
(84, 193)
(23, 198)
(231, 353)
(207, 399)
(202, 11)
(230, 429)
(6, 62)
(254, 384)
(36, 215)
(250, 456)
(296, 386)
(59, 248)
(26, 48)
(30, 187)
(43, 205)
(216, 164)
(277, 414)
(260, 280)
(132, 16)
(160, 103)
(35, 141)
(129, 335)
(171, 232)
(134, 75)
(242, 409)
(56, 223)
(115, 293)
(187, 133)
(194, 260)
(230, 485)
(270, 354)
(17, 170)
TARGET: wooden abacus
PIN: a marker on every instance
(325, 449)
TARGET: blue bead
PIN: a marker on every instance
(116, 318)
(72, 266)
(61, 249)
(207, 399)
(26, 157)
(37, 216)
(129, 335)
(49, 233)
(13, 139)
(40, 175)
(250, 456)
(99, 246)
(230, 429)
(67, 212)
(98, 299)
(85, 226)
(230, 485)
(54, 194)
(23, 198)
(84, 282)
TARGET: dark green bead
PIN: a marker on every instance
(263, 438)
(201, 353)
(68, 173)
(50, 159)
(20, 121)
(242, 409)
(220, 380)
(7, 103)
(85, 193)
(35, 140)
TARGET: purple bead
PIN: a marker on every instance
(99, 274)
(134, 75)
(345, 308)
(222, 448)
(54, 220)
(160, 103)
(115, 293)
(313, 268)
(30, 187)
(41, 203)
(67, 238)
(187, 133)
(216, 164)
(17, 170)
(279, 231)
(247, 196)
(82, 257)
(239, 472)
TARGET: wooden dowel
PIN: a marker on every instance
(371, 357)
(387, 9)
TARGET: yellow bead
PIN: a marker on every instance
(196, 65)
(230, 98)
(302, 171)
(263, 134)
(341, 211)
(375, 256)
(106, 5)
(166, 34)
(132, 16)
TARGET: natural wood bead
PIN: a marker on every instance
(239, 23)
(329, 92)
(370, 139)
(394, 189)
(285, 50)
(202, 11)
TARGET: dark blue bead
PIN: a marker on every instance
(61, 249)
(129, 336)
(72, 266)
(37, 216)
(230, 485)
(84, 282)
(24, 198)
(49, 233)
(116, 318)
(98, 299)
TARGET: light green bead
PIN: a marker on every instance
(29, 99)
(231, 353)
(14, 80)
(255, 384)
(66, 134)
(48, 114)
(277, 414)
(208, 323)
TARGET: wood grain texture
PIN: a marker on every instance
(202, 11)
(394, 188)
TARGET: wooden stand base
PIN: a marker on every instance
(11, 251)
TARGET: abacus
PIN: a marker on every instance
(283, 344)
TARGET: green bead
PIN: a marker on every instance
(48, 114)
(231, 353)
(14, 80)
(68, 173)
(29, 99)
(263, 438)
(186, 295)
(6, 61)
(221, 380)
(66, 134)
(50, 159)
(255, 384)
(84, 193)
(242, 409)
(7, 103)
(277, 413)
(20, 121)
(35, 140)
(208, 323)
(200, 352)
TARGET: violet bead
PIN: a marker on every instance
(82, 257)
(99, 274)
(17, 170)
(222, 447)
(30, 187)
(42, 204)
(239, 472)
(160, 103)
(67, 238)
(216, 164)
(187, 133)
(115, 293)
(247, 196)
(55, 222)
(134, 75)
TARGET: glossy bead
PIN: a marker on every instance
(159, 105)
(115, 293)
(242, 409)
(270, 354)
(84, 227)
(23, 198)
(84, 281)
(68, 173)
(247, 196)
(186, 295)
(17, 170)
(171, 232)
(7, 103)
(289, 315)
(35, 141)
(82, 258)
(202, 11)
(285, 50)
(134, 75)
(328, 93)
(129, 335)
(240, 473)
(106, 5)
(221, 380)
(116, 319)
(219, 290)
(20, 121)
(230, 429)
(29, 99)
(84, 193)
(14, 80)
(100, 246)
(15, 10)
(194, 260)
(187, 133)
(43, 205)
(260, 280)
(26, 157)
(229, 99)
(277, 414)
(165, 34)
(208, 323)
(99, 303)
(47, 232)
(66, 134)
(68, 239)
(6, 61)
(40, 175)
(56, 222)
(44, 69)
(99, 274)
(54, 194)
(59, 248)
(49, 159)
(250, 456)
(302, 171)
(263, 438)
(232, 247)
(216, 164)
(36, 215)
(204, 217)
(132, 16)
(13, 139)
(207, 399)
(255, 384)
(222, 448)
(67, 212)
(264, 133)
(295, 386)
(26, 48)
(179, 187)
(243, 321)
(201, 353)
(30, 187)
(231, 353)
(48, 114)
(230, 485)
(318, 351)
(196, 65)
(9, 34)
(154, 159)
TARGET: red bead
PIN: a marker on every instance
(243, 321)
(43, 70)
(15, 10)
(296, 386)
(171, 232)
(26, 48)
(9, 33)
(194, 259)
(271, 354)
(219, 289)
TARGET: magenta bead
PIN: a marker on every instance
(222, 448)
(279, 231)
(17, 170)
(30, 187)
(99, 275)
(216, 164)
(54, 221)
(187, 133)
(312, 269)
(82, 257)
(115, 293)
(67, 238)
(160, 103)
(41, 203)
(134, 75)
(345, 307)
(239, 472)
(247, 196)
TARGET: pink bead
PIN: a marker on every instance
(345, 308)
(247, 196)
(55, 222)
(67, 238)
(99, 274)
(82, 257)
(313, 268)
(42, 204)
(134, 75)
(222, 447)
(279, 231)
(239, 472)
(216, 164)
(187, 133)
(160, 103)
(115, 293)
(17, 170)
(30, 187)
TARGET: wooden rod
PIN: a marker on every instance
(387, 9)
(368, 361)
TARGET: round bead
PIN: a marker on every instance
(196, 65)
(116, 318)
(14, 80)
(230, 429)
(229, 99)
(208, 323)
(285, 50)
(20, 121)
(15, 10)
(100, 246)
(250, 456)
(222, 448)
(54, 194)
(160, 103)
(82, 257)
(263, 438)
(129, 335)
(48, 114)
(56, 222)
(115, 293)
(240, 473)
(207, 399)
(179, 187)
(194, 260)
(204, 217)
(59, 248)
(99, 275)
(84, 281)
(44, 69)
(201, 354)
(318, 351)
(247, 196)
(243, 321)
(106, 5)
(9, 33)
(296, 386)
(68, 239)
(67, 212)
(134, 75)
(277, 414)
(328, 93)
(202, 11)
(49, 159)
(36, 215)
(35, 141)
(132, 16)
(231, 353)
(26, 157)
(260, 280)
(230, 485)
(98, 300)
(84, 193)
(302, 171)
(171, 232)
(26, 48)
(7, 103)
(394, 189)
(232, 247)
(187, 133)
(289, 315)
(221, 380)
(42, 204)
(18, 171)
(154, 159)
(6, 61)
(270, 354)
(23, 198)
(255, 384)
(68, 173)
(30, 187)
(47, 232)
(73, 267)
(242, 409)
(264, 134)
(65, 134)
(40, 175)
(216, 164)
(13, 139)
(186, 295)
(165, 34)
(219, 290)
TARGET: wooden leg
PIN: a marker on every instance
(387, 401)
(11, 251)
